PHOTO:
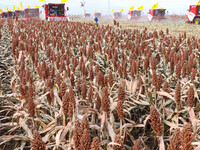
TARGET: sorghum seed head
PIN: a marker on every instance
(95, 144)
(137, 145)
(37, 143)
(190, 98)
(155, 121)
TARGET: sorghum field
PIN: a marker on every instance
(83, 86)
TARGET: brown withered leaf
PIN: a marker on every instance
(162, 93)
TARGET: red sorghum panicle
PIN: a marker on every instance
(120, 111)
(124, 70)
(175, 140)
(49, 83)
(31, 92)
(119, 140)
(63, 88)
(58, 79)
(105, 80)
(52, 72)
(22, 90)
(190, 98)
(31, 107)
(184, 70)
(186, 137)
(79, 86)
(137, 65)
(137, 145)
(153, 63)
(95, 144)
(27, 76)
(193, 74)
(65, 103)
(90, 95)
(154, 78)
(133, 68)
(146, 63)
(37, 143)
(105, 100)
(120, 71)
(91, 73)
(121, 94)
(72, 96)
(178, 95)
(155, 121)
(190, 64)
(172, 64)
(52, 94)
(49, 99)
(84, 123)
(97, 101)
(166, 86)
(97, 69)
(68, 72)
(159, 82)
(85, 140)
(110, 79)
(72, 80)
(178, 69)
(77, 134)
(84, 90)
(70, 108)
(100, 78)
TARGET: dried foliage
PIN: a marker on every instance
(91, 86)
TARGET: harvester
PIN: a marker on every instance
(134, 14)
(20, 14)
(193, 14)
(4, 15)
(55, 11)
(117, 15)
(156, 14)
(11, 14)
(97, 14)
(32, 14)
(86, 15)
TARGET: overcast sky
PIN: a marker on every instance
(173, 6)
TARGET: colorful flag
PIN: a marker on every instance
(13, 7)
(42, 0)
(198, 3)
(140, 8)
(122, 10)
(95, 11)
(37, 6)
(18, 8)
(21, 5)
(7, 9)
(29, 6)
(1, 11)
(113, 10)
(155, 6)
(101, 11)
(64, 1)
(131, 8)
